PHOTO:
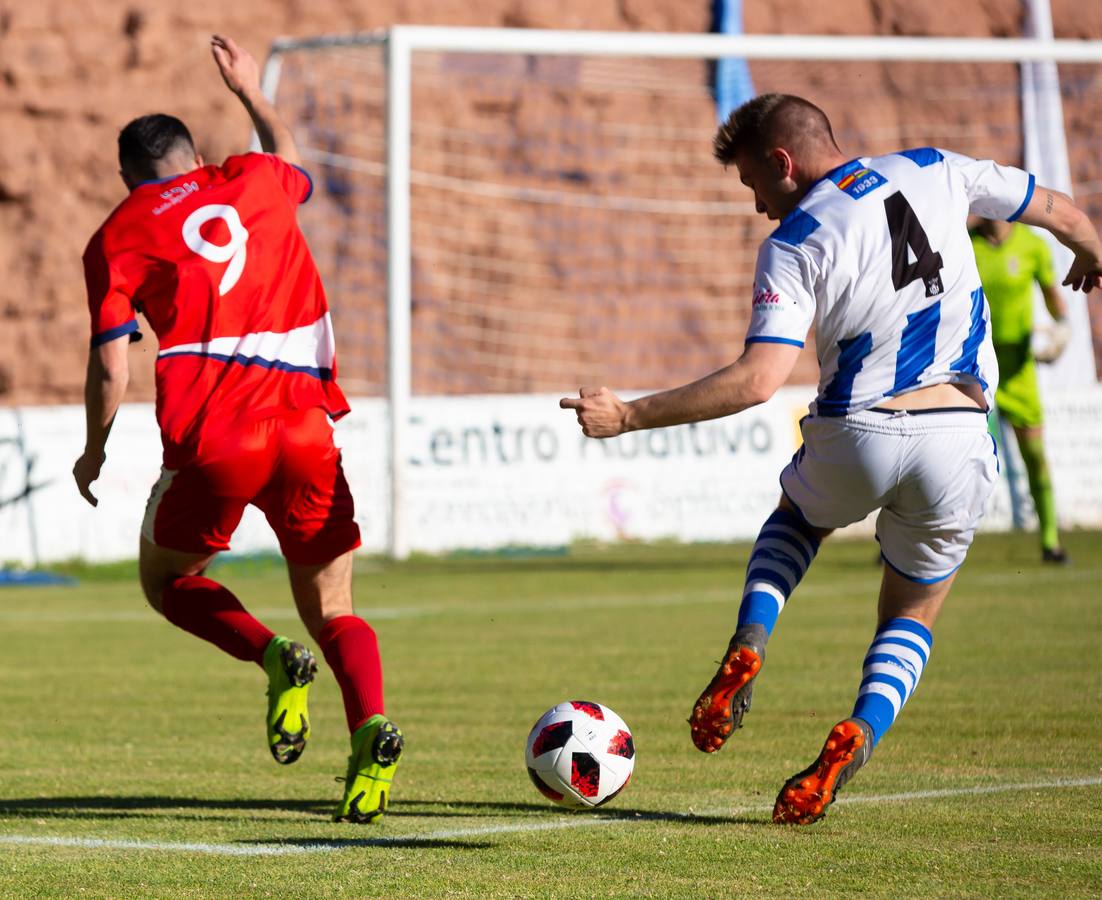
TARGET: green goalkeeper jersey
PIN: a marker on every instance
(1007, 272)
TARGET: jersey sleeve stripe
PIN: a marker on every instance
(117, 332)
(923, 156)
(765, 339)
(796, 227)
(310, 181)
(1028, 196)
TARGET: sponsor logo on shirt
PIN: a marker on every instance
(174, 195)
(766, 299)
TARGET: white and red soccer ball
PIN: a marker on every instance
(580, 754)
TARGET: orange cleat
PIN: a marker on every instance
(719, 710)
(805, 796)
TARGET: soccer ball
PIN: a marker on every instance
(580, 754)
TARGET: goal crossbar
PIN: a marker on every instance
(674, 45)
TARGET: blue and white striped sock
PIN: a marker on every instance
(782, 553)
(893, 665)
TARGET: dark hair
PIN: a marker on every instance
(148, 139)
(770, 121)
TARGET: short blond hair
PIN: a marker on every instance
(770, 121)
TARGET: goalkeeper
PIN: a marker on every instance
(1010, 259)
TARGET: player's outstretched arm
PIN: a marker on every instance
(242, 76)
(1055, 212)
(104, 389)
(752, 379)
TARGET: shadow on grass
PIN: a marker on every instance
(122, 807)
(397, 843)
(466, 809)
(133, 807)
(463, 809)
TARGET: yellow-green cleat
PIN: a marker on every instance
(376, 747)
(291, 668)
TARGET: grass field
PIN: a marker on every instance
(134, 760)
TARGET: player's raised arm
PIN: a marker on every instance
(242, 76)
(1055, 212)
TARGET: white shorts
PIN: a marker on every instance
(929, 474)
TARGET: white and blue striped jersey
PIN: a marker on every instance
(877, 257)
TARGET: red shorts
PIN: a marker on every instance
(287, 466)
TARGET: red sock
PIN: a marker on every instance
(352, 651)
(209, 611)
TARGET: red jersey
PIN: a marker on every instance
(216, 263)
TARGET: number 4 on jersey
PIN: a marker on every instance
(908, 239)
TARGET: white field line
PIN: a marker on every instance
(612, 601)
(579, 821)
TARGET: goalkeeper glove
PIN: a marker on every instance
(1057, 336)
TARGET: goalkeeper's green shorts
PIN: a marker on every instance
(1018, 397)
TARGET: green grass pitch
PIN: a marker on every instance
(134, 761)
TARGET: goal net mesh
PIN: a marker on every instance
(569, 224)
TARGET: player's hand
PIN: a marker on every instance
(239, 69)
(1056, 338)
(600, 412)
(1085, 273)
(85, 471)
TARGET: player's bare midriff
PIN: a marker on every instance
(937, 396)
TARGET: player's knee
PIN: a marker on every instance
(153, 589)
(788, 506)
(313, 621)
(158, 568)
(155, 581)
(313, 625)
(1036, 467)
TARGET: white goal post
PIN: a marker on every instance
(383, 66)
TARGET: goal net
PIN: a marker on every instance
(567, 223)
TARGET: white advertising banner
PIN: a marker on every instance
(488, 472)
(44, 519)
(492, 471)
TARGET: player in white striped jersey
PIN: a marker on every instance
(874, 253)
(865, 232)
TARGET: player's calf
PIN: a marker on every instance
(785, 547)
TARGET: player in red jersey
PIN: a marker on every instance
(212, 256)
